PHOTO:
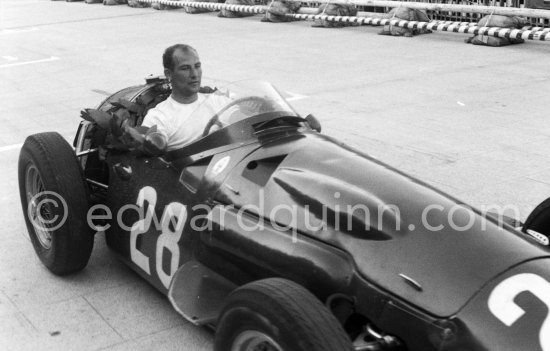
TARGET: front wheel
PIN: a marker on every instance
(277, 315)
(54, 198)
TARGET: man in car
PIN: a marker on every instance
(174, 117)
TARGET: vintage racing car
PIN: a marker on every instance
(283, 238)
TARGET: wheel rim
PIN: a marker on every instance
(253, 340)
(39, 215)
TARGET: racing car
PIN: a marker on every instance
(282, 238)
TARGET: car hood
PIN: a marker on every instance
(319, 185)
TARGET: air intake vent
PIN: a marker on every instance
(259, 171)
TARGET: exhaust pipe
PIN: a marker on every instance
(372, 340)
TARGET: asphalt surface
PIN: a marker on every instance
(470, 120)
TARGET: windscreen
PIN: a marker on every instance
(241, 100)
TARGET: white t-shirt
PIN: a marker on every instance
(173, 119)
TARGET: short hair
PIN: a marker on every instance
(168, 56)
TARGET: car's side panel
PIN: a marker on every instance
(244, 246)
(198, 293)
(149, 213)
(158, 208)
(243, 243)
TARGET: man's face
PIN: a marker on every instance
(186, 73)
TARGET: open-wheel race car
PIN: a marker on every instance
(283, 238)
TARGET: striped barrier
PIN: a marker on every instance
(455, 23)
(538, 29)
(535, 33)
(466, 29)
(487, 10)
(209, 6)
(257, 9)
(532, 28)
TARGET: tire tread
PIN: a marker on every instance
(58, 167)
(302, 312)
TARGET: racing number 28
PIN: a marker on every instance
(171, 227)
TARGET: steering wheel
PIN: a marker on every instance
(250, 102)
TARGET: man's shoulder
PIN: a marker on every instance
(161, 110)
(162, 106)
(158, 114)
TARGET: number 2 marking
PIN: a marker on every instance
(172, 223)
(502, 305)
(149, 195)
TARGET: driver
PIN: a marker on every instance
(183, 69)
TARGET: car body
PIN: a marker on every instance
(400, 264)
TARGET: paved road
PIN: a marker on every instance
(470, 120)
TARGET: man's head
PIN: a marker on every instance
(182, 67)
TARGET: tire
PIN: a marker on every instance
(281, 314)
(539, 219)
(56, 219)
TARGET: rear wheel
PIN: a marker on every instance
(54, 198)
(277, 315)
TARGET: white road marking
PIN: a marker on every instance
(52, 58)
(20, 2)
(9, 58)
(17, 31)
(10, 147)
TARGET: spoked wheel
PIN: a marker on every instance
(277, 315)
(252, 340)
(54, 199)
(42, 215)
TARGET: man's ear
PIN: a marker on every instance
(168, 74)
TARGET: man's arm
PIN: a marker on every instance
(159, 119)
(154, 140)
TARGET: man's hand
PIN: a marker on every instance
(155, 144)
(151, 142)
